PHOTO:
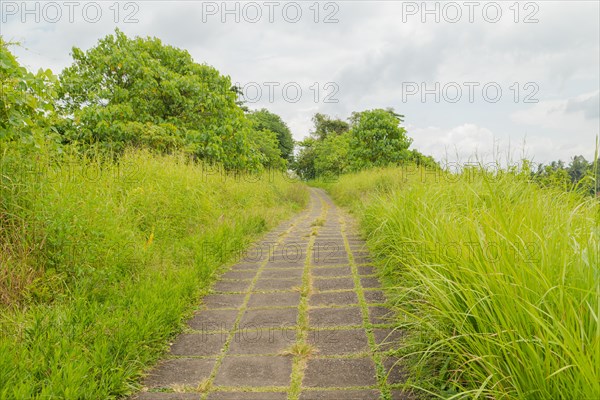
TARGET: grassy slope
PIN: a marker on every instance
(495, 279)
(101, 264)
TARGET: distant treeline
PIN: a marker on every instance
(372, 138)
(580, 174)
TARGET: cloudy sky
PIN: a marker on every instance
(489, 78)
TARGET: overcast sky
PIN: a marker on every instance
(484, 76)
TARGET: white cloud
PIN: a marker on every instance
(575, 113)
(467, 142)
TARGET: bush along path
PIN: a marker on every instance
(300, 316)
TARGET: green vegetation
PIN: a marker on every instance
(141, 92)
(372, 138)
(494, 278)
(25, 101)
(102, 261)
(580, 175)
(265, 120)
(124, 185)
(128, 181)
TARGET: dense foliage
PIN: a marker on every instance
(26, 100)
(140, 93)
(265, 121)
(372, 138)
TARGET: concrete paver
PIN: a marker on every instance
(180, 371)
(336, 372)
(374, 297)
(337, 342)
(333, 298)
(331, 271)
(254, 371)
(215, 301)
(340, 394)
(198, 344)
(324, 284)
(339, 316)
(284, 299)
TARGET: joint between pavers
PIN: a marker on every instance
(340, 265)
(336, 291)
(177, 357)
(271, 307)
(204, 308)
(299, 363)
(334, 306)
(278, 279)
(369, 276)
(274, 291)
(338, 388)
(324, 278)
(245, 330)
(335, 328)
(249, 389)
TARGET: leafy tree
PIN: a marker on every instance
(264, 120)
(304, 164)
(266, 144)
(124, 90)
(553, 175)
(377, 139)
(421, 159)
(325, 152)
(356, 115)
(331, 155)
(578, 168)
(26, 100)
(239, 92)
(326, 126)
(372, 138)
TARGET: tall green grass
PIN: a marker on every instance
(495, 280)
(102, 260)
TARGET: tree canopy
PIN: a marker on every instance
(326, 126)
(142, 92)
(264, 120)
(377, 139)
(371, 138)
(26, 100)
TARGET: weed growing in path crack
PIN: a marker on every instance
(300, 350)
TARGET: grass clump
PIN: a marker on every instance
(301, 350)
(101, 261)
(496, 279)
(318, 222)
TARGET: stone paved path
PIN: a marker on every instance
(301, 316)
